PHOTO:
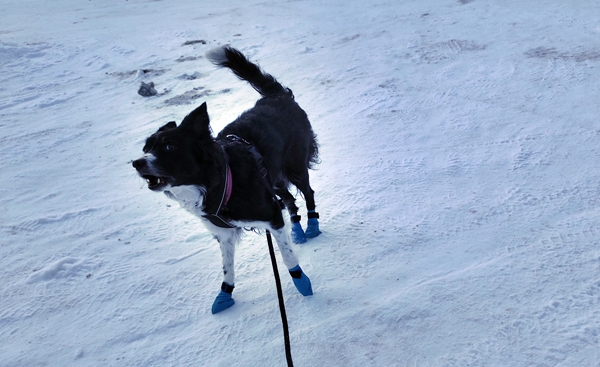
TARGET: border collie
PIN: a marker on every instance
(234, 181)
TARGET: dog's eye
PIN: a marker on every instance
(170, 148)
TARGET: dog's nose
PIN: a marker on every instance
(139, 163)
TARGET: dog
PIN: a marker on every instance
(241, 178)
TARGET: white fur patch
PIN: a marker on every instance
(190, 197)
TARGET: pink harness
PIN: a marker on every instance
(215, 216)
(228, 186)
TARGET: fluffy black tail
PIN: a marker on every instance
(233, 59)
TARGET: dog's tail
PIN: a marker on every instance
(263, 83)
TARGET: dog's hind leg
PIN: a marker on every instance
(301, 181)
(288, 199)
(301, 281)
(298, 235)
(227, 239)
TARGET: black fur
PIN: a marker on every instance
(188, 154)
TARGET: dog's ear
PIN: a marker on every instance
(198, 121)
(170, 125)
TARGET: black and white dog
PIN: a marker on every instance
(232, 181)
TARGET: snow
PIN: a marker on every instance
(459, 187)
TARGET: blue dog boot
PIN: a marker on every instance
(224, 299)
(301, 281)
(312, 229)
(298, 235)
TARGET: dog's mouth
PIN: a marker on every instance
(155, 183)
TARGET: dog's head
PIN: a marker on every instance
(179, 155)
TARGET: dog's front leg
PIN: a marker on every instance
(301, 281)
(227, 239)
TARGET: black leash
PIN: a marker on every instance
(217, 220)
(286, 333)
(264, 174)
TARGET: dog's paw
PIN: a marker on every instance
(301, 281)
(298, 235)
(222, 302)
(312, 229)
(224, 299)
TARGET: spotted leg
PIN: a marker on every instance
(301, 281)
(227, 239)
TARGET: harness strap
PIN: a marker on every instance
(228, 186)
(265, 175)
(216, 218)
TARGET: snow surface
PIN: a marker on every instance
(459, 188)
